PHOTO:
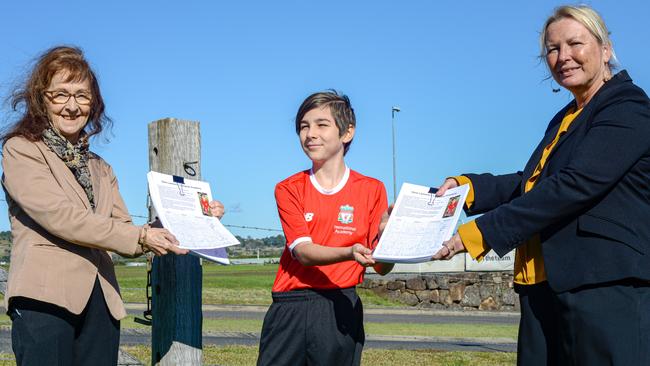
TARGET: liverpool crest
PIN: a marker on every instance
(346, 214)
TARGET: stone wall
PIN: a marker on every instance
(491, 291)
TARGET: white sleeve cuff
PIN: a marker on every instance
(292, 246)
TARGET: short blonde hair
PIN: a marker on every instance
(586, 16)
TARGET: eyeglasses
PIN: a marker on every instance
(62, 97)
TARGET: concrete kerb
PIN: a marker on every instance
(369, 337)
(367, 310)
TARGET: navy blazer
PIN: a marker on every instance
(591, 203)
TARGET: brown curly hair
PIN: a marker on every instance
(29, 99)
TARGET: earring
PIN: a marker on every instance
(554, 90)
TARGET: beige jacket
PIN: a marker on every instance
(59, 244)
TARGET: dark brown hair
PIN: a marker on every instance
(28, 99)
(340, 107)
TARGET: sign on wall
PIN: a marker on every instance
(491, 262)
(460, 263)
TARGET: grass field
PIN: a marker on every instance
(251, 285)
(246, 355)
(396, 329)
(241, 285)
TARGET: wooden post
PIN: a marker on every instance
(176, 339)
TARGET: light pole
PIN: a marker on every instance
(395, 109)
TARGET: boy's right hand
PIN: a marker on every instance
(362, 255)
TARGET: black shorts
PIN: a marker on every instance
(313, 327)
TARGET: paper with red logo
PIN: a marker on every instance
(419, 223)
(182, 207)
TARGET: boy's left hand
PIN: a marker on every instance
(384, 219)
(362, 255)
(216, 209)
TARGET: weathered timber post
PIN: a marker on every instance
(176, 280)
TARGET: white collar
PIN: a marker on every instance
(334, 190)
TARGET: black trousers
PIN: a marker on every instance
(537, 343)
(313, 327)
(603, 324)
(607, 324)
(45, 334)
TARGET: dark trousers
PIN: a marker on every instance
(607, 324)
(603, 324)
(45, 334)
(313, 327)
(537, 343)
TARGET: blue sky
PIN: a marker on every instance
(466, 75)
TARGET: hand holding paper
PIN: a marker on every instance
(419, 223)
(384, 220)
(362, 255)
(160, 241)
(186, 209)
(450, 248)
(217, 209)
(449, 183)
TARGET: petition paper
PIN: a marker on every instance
(183, 208)
(419, 223)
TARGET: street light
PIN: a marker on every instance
(395, 109)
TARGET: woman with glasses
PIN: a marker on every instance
(66, 214)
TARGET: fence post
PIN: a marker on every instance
(175, 148)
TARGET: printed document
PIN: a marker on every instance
(419, 223)
(218, 255)
(182, 205)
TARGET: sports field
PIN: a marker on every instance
(237, 285)
(251, 285)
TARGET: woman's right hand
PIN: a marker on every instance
(450, 248)
(160, 241)
(447, 184)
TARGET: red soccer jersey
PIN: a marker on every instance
(341, 217)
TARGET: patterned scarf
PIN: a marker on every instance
(75, 157)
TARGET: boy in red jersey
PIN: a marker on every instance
(330, 216)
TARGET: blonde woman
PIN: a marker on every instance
(578, 212)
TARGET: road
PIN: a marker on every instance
(371, 315)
